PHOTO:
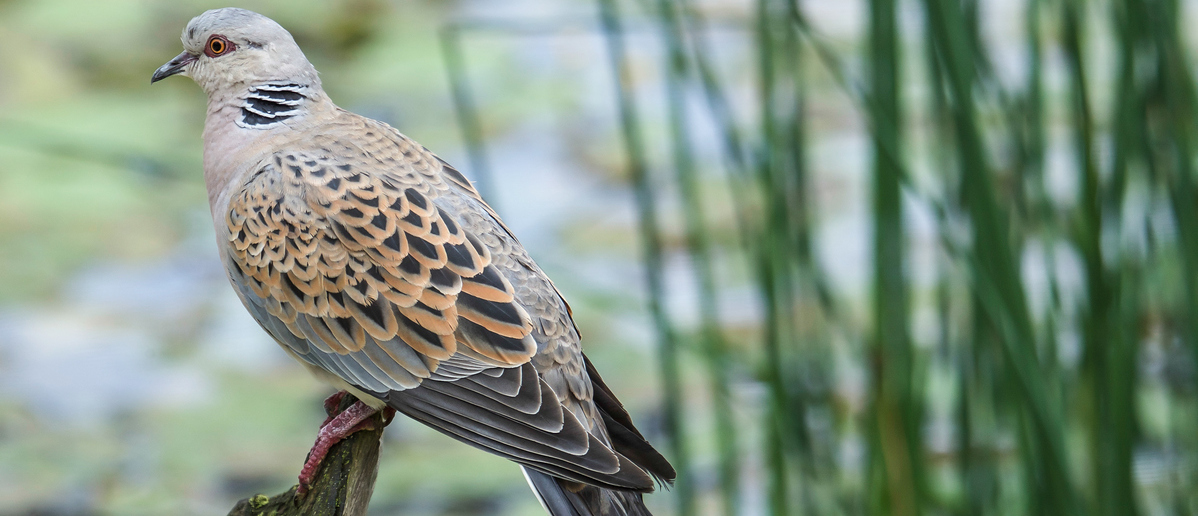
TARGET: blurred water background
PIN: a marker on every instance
(836, 257)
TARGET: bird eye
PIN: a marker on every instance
(217, 45)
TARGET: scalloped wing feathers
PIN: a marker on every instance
(342, 254)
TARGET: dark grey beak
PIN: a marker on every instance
(172, 67)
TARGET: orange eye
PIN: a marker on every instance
(217, 45)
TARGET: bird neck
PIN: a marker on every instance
(266, 105)
(244, 123)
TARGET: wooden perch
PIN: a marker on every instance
(343, 483)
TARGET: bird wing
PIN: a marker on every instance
(365, 265)
(355, 257)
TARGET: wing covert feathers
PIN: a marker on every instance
(357, 259)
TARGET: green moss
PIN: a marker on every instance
(259, 500)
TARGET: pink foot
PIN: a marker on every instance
(334, 429)
(330, 406)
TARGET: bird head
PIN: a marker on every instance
(228, 50)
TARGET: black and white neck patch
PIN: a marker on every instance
(271, 103)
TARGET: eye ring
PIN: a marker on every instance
(218, 45)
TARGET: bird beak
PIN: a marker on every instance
(172, 67)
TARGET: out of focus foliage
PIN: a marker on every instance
(1024, 338)
(866, 257)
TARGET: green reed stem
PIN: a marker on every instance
(652, 249)
(896, 452)
(715, 354)
(774, 265)
(467, 112)
(995, 274)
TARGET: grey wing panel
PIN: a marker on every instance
(528, 427)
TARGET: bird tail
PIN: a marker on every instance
(565, 498)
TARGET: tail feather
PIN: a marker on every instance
(625, 438)
(564, 499)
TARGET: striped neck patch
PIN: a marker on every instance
(270, 103)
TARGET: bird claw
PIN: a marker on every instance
(336, 428)
(330, 406)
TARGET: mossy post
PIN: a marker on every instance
(343, 483)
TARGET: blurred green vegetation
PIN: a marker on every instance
(923, 257)
(1041, 360)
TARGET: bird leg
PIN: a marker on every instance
(354, 418)
(331, 404)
